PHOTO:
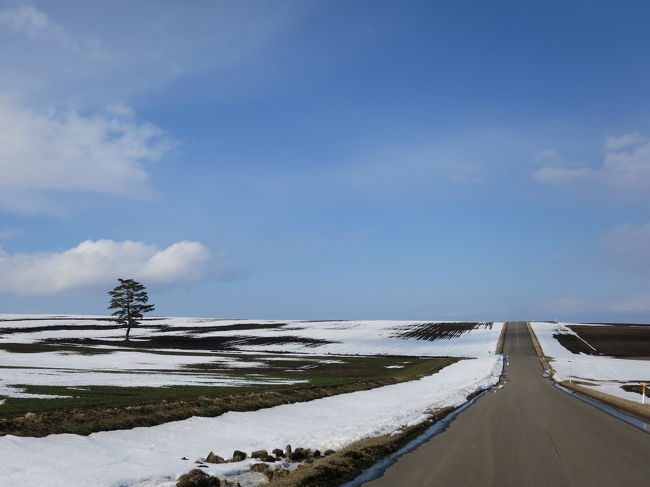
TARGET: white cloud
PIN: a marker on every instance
(421, 164)
(625, 169)
(545, 155)
(628, 169)
(93, 264)
(80, 51)
(616, 142)
(27, 20)
(63, 151)
(9, 233)
(560, 175)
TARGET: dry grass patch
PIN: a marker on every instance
(159, 410)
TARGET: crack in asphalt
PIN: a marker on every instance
(553, 442)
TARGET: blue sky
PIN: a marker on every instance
(334, 159)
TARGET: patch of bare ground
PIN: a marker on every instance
(620, 340)
(638, 389)
(217, 328)
(218, 343)
(190, 330)
(635, 409)
(439, 331)
(38, 329)
(64, 318)
(574, 344)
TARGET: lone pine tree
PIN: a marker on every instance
(129, 300)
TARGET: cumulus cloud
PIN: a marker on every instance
(27, 20)
(42, 152)
(616, 142)
(8, 233)
(83, 50)
(546, 154)
(561, 175)
(93, 264)
(625, 168)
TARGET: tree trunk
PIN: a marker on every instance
(128, 330)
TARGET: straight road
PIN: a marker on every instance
(527, 434)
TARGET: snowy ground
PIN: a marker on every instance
(329, 337)
(607, 374)
(120, 368)
(152, 365)
(153, 456)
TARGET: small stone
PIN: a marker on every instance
(260, 454)
(288, 450)
(198, 478)
(317, 454)
(212, 458)
(297, 456)
(238, 456)
(278, 453)
(328, 452)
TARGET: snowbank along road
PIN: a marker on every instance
(527, 434)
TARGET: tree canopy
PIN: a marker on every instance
(129, 300)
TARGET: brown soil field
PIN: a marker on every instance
(638, 388)
(218, 343)
(161, 338)
(440, 331)
(623, 341)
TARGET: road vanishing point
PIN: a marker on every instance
(529, 433)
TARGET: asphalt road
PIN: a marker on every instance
(527, 434)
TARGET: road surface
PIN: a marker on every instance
(527, 434)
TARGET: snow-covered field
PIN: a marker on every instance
(314, 337)
(607, 374)
(153, 456)
(158, 363)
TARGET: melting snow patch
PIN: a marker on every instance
(151, 456)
